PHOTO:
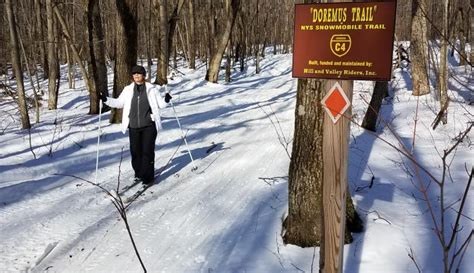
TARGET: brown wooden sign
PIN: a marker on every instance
(351, 41)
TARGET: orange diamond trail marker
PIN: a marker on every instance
(336, 102)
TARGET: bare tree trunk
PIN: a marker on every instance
(242, 46)
(175, 58)
(40, 37)
(172, 24)
(126, 49)
(70, 74)
(228, 62)
(462, 34)
(370, 119)
(30, 75)
(75, 52)
(303, 223)
(443, 71)
(16, 63)
(471, 32)
(213, 71)
(163, 62)
(212, 29)
(182, 43)
(71, 65)
(148, 41)
(191, 36)
(167, 29)
(157, 33)
(53, 64)
(257, 43)
(3, 44)
(419, 49)
(97, 54)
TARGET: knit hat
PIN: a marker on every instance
(139, 69)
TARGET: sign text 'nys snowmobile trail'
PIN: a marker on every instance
(351, 41)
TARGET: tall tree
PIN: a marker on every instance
(76, 55)
(470, 13)
(419, 48)
(403, 22)
(125, 49)
(370, 118)
(223, 39)
(53, 64)
(303, 223)
(97, 54)
(167, 31)
(16, 63)
(443, 69)
(172, 25)
(191, 40)
(257, 41)
(40, 37)
(163, 56)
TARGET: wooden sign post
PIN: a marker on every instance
(342, 42)
(336, 130)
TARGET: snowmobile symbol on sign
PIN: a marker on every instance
(340, 44)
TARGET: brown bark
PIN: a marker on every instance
(470, 13)
(53, 64)
(3, 43)
(30, 75)
(16, 63)
(90, 87)
(419, 49)
(70, 69)
(125, 49)
(257, 43)
(443, 70)
(163, 60)
(40, 37)
(228, 68)
(212, 28)
(97, 63)
(149, 38)
(242, 46)
(191, 40)
(215, 62)
(370, 118)
(303, 223)
(167, 29)
(403, 21)
(172, 24)
(462, 26)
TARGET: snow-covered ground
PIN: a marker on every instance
(225, 216)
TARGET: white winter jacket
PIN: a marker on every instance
(124, 101)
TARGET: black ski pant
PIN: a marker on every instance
(142, 148)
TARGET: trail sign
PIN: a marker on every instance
(335, 102)
(352, 41)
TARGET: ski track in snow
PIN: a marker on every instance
(40, 225)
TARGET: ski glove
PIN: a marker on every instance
(168, 97)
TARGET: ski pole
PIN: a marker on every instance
(98, 142)
(184, 137)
